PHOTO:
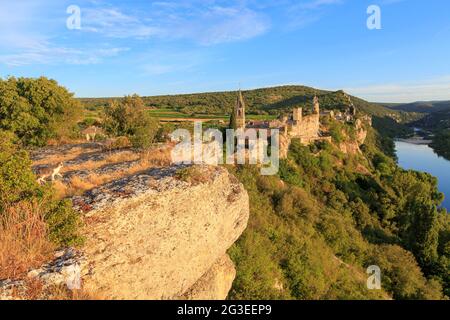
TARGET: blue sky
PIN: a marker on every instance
(164, 47)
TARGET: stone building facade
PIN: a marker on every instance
(305, 127)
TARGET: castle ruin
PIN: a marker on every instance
(305, 127)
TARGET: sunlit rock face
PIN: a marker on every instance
(153, 236)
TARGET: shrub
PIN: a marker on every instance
(120, 143)
(24, 240)
(336, 130)
(17, 181)
(129, 118)
(63, 223)
(193, 175)
(18, 185)
(145, 132)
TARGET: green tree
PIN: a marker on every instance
(36, 110)
(233, 123)
(128, 117)
(145, 131)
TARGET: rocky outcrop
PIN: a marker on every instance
(152, 236)
(66, 270)
(361, 132)
(350, 147)
(215, 283)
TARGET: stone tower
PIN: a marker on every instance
(316, 105)
(297, 115)
(239, 111)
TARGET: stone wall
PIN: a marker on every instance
(307, 128)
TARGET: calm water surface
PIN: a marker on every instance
(423, 158)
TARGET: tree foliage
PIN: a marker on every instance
(441, 143)
(128, 117)
(36, 110)
(316, 227)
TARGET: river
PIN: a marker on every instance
(423, 158)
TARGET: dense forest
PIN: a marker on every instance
(327, 216)
(441, 143)
(438, 123)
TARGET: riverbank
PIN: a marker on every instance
(420, 157)
(415, 140)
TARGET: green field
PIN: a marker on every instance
(166, 113)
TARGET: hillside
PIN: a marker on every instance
(273, 100)
(420, 106)
(435, 121)
(439, 124)
(330, 212)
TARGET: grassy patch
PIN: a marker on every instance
(24, 242)
(193, 175)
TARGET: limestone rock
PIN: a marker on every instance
(152, 236)
(361, 132)
(10, 289)
(215, 283)
(350, 147)
(66, 269)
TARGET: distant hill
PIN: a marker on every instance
(435, 114)
(420, 106)
(435, 121)
(275, 100)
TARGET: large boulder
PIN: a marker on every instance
(215, 283)
(154, 235)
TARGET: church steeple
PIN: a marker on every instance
(237, 120)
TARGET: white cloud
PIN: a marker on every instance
(45, 53)
(432, 89)
(33, 33)
(112, 22)
(316, 4)
(205, 22)
(202, 22)
(26, 37)
(301, 14)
